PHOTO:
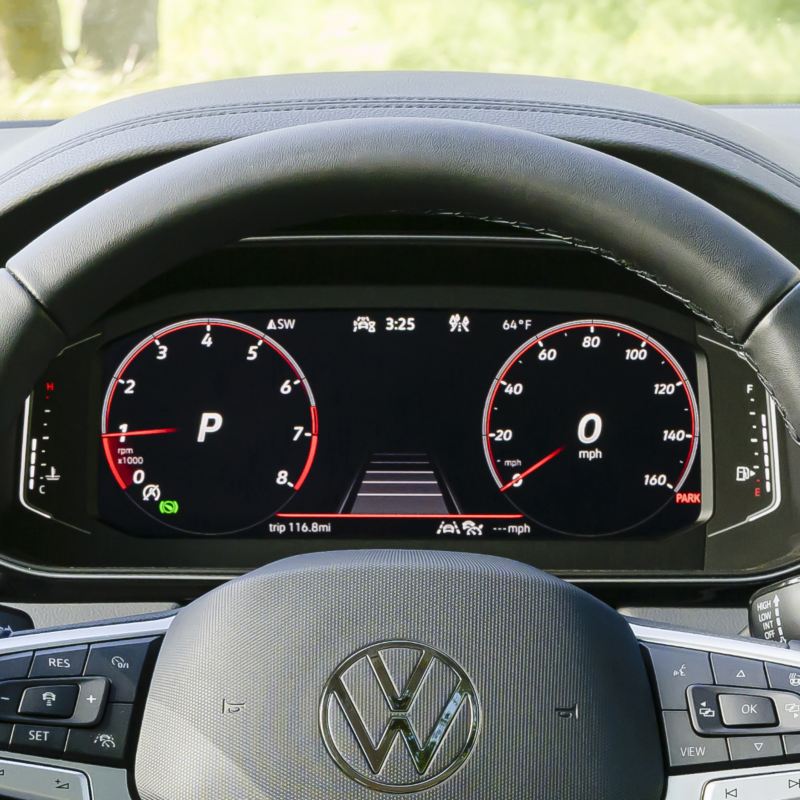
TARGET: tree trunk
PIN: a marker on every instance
(30, 32)
(119, 34)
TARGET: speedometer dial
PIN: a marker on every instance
(209, 426)
(590, 428)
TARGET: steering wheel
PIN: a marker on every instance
(342, 675)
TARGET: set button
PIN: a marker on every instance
(39, 739)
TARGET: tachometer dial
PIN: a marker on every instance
(590, 427)
(209, 426)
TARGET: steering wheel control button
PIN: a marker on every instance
(15, 666)
(771, 786)
(67, 701)
(675, 670)
(59, 662)
(5, 735)
(755, 748)
(744, 672)
(38, 739)
(122, 663)
(747, 711)
(92, 696)
(22, 781)
(106, 743)
(704, 709)
(10, 696)
(49, 701)
(784, 678)
(685, 748)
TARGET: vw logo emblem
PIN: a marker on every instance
(399, 716)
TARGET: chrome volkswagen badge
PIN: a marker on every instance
(399, 716)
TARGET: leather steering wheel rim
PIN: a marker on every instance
(74, 272)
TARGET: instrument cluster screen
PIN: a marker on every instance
(404, 423)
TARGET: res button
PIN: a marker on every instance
(59, 662)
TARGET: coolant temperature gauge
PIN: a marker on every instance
(41, 474)
(746, 450)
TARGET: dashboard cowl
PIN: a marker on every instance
(751, 176)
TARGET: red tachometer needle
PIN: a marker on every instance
(540, 463)
(148, 432)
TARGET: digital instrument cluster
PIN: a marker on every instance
(567, 415)
(435, 423)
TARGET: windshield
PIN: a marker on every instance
(59, 57)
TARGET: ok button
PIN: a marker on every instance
(747, 711)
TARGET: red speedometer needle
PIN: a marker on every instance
(148, 432)
(540, 463)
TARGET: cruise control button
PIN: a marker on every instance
(122, 662)
(744, 672)
(675, 670)
(59, 662)
(38, 739)
(49, 701)
(92, 694)
(747, 711)
(10, 696)
(15, 665)
(749, 748)
(685, 748)
(27, 781)
(106, 743)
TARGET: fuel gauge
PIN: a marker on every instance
(746, 447)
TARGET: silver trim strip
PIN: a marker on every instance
(746, 648)
(87, 635)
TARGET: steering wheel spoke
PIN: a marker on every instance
(71, 701)
(730, 714)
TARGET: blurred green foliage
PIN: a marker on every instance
(723, 51)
